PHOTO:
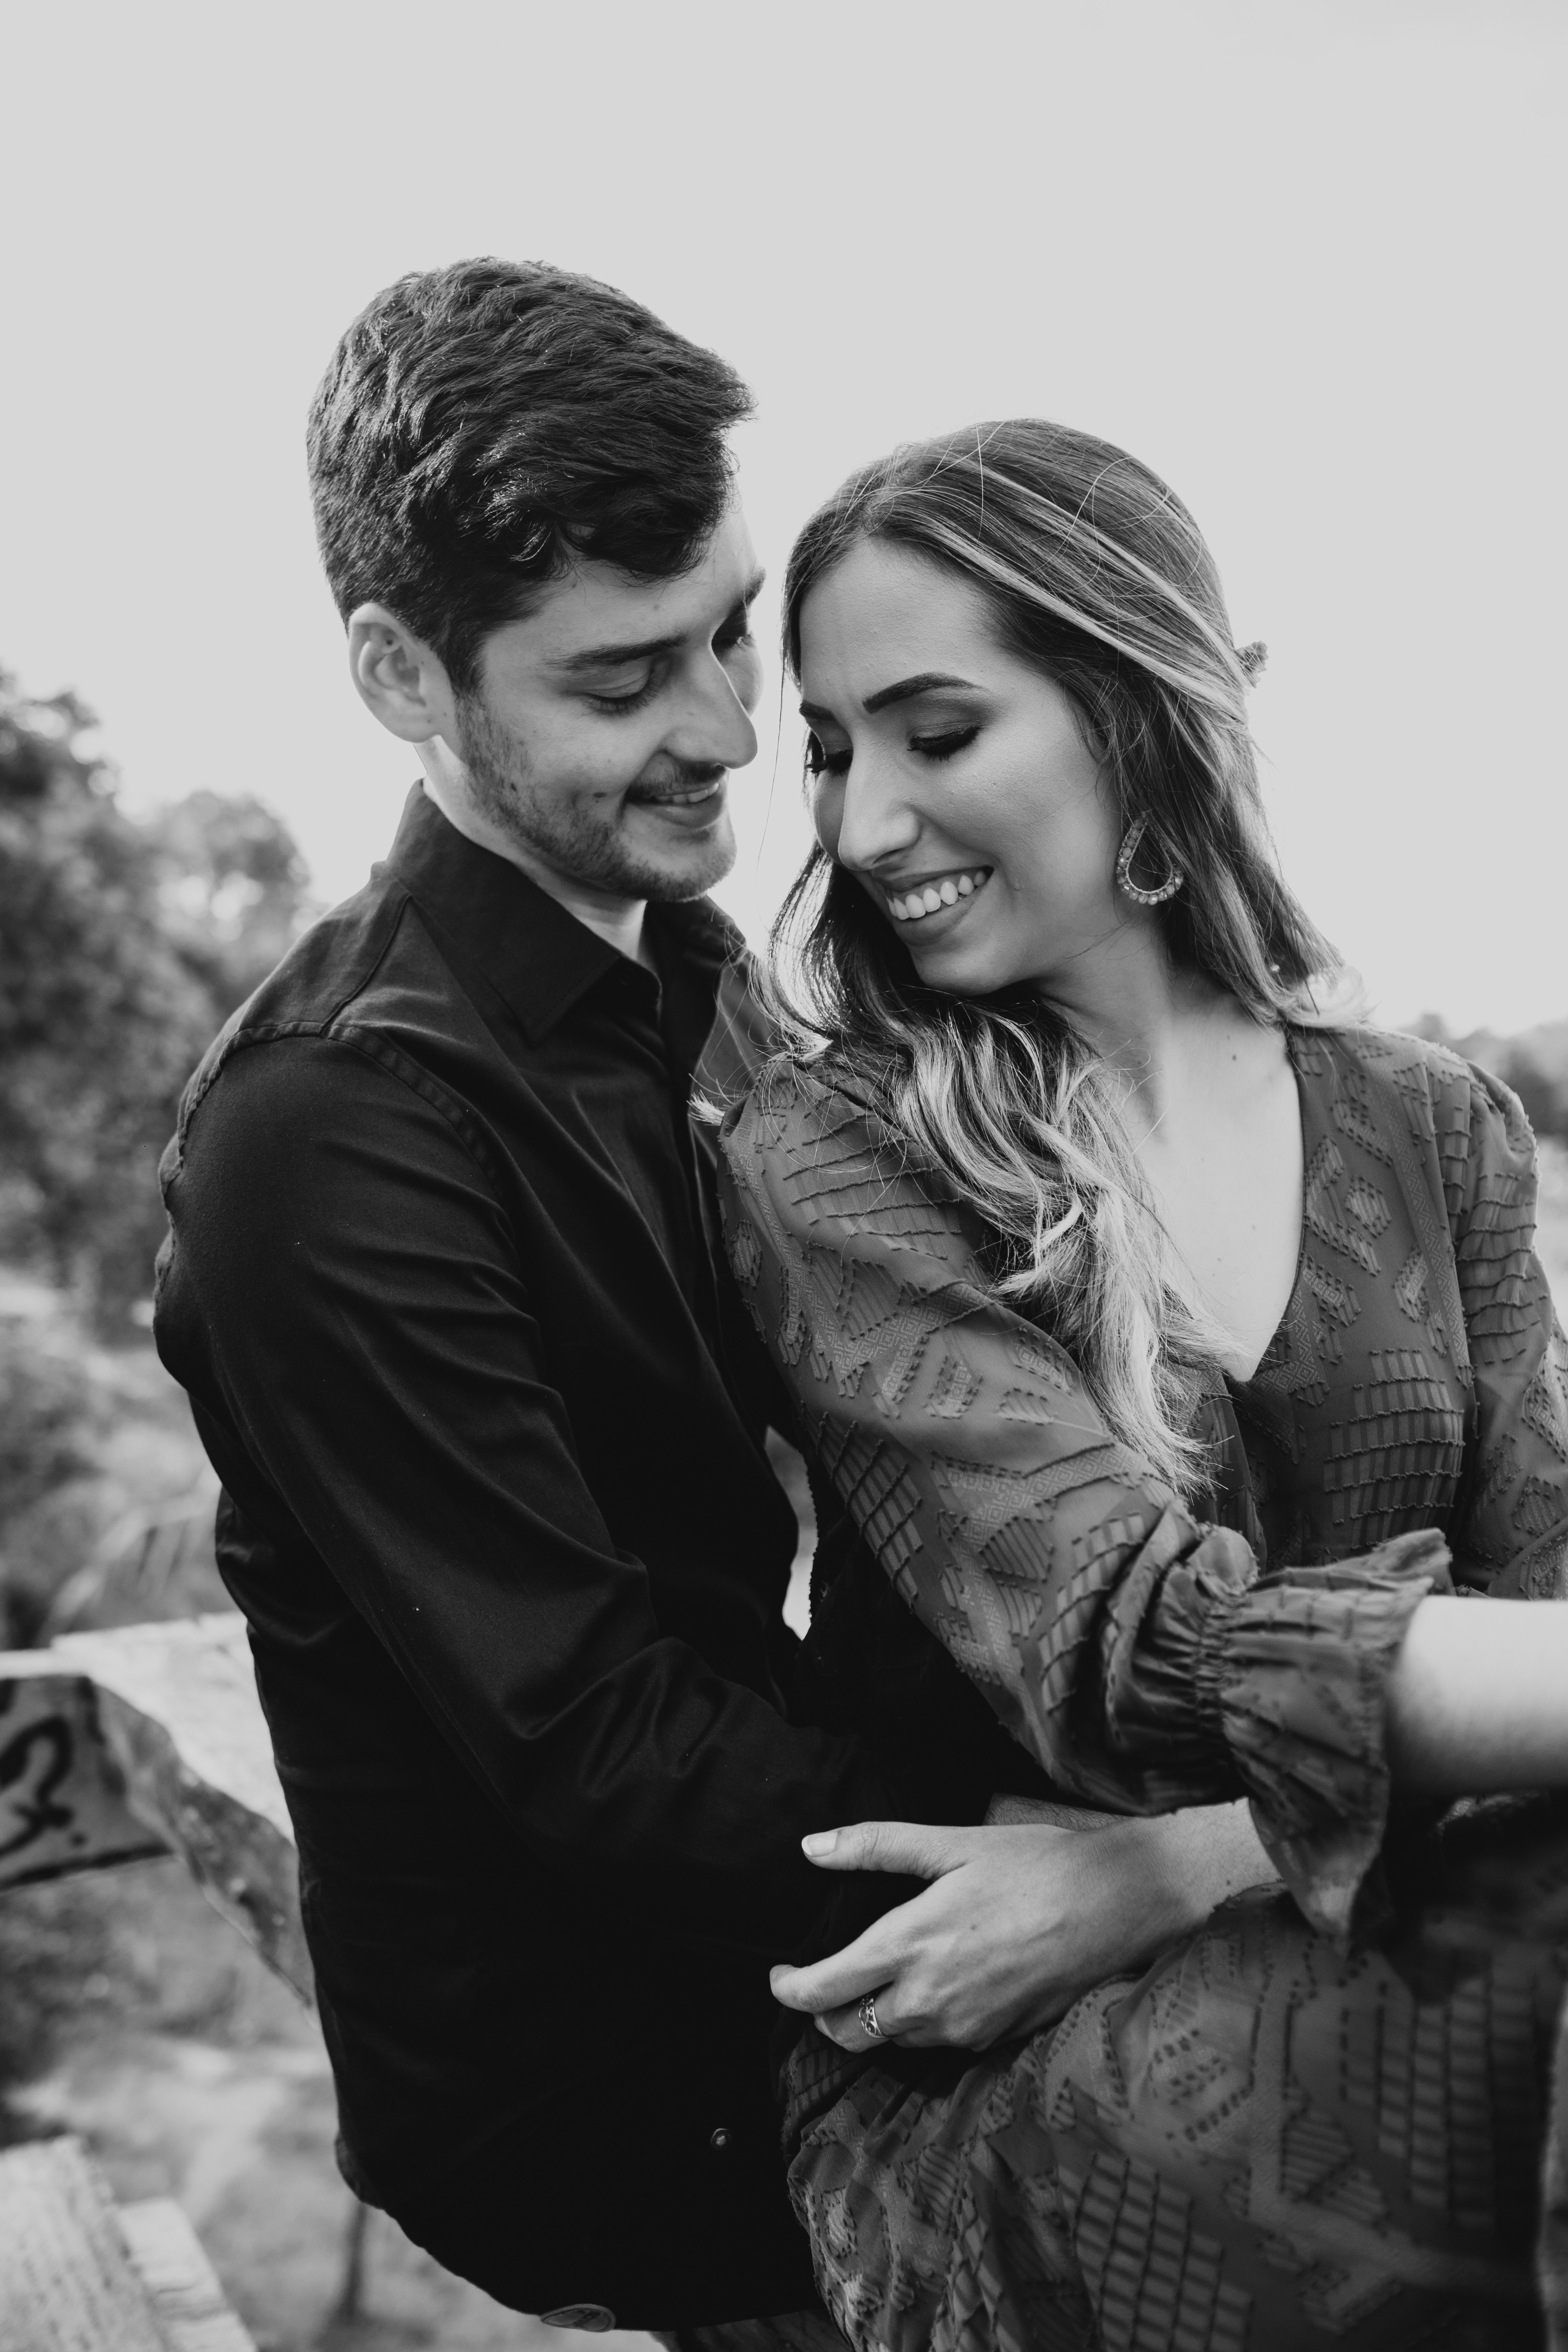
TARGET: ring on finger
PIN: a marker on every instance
(867, 2016)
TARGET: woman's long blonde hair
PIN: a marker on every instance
(1095, 573)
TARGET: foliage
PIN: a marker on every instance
(1534, 1064)
(49, 1420)
(54, 1942)
(125, 942)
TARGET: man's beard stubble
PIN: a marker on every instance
(569, 837)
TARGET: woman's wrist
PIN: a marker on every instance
(1197, 1859)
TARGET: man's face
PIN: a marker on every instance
(604, 725)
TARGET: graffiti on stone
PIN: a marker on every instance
(61, 1807)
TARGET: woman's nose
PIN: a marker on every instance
(875, 820)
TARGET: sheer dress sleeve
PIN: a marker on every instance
(1510, 1532)
(1137, 1655)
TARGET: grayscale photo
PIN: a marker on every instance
(783, 1157)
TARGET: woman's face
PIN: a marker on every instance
(952, 780)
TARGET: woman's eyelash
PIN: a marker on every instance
(822, 762)
(942, 747)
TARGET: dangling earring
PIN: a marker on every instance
(1135, 890)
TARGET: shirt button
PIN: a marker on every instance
(719, 2140)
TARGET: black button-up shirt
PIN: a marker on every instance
(440, 1284)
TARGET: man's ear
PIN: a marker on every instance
(398, 679)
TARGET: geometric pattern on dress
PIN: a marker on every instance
(1155, 2278)
(1263, 2145)
(1398, 1453)
(1341, 2137)
(1343, 1228)
(1544, 1409)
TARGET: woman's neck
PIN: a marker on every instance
(1142, 1015)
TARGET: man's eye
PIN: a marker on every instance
(819, 761)
(942, 747)
(727, 641)
(630, 702)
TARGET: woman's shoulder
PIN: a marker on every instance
(812, 1141)
(1388, 1085)
(1421, 1073)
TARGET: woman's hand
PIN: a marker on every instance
(1017, 1922)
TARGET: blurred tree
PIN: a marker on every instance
(1535, 1065)
(125, 942)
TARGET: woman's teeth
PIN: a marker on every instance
(915, 905)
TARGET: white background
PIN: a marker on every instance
(1304, 257)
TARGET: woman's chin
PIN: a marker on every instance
(957, 969)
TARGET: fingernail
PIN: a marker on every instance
(819, 1842)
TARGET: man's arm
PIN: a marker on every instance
(345, 1294)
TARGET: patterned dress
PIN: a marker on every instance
(1320, 2121)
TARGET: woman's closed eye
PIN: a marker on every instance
(821, 761)
(943, 746)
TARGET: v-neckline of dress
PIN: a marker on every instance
(1235, 1383)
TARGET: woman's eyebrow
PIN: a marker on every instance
(925, 681)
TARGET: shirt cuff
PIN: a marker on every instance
(1291, 1672)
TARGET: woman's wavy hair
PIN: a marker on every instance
(1096, 575)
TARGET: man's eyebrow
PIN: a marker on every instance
(632, 649)
(925, 681)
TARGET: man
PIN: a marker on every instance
(444, 1287)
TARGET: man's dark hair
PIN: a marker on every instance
(484, 425)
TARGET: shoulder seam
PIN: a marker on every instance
(372, 1047)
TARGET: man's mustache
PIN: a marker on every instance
(670, 778)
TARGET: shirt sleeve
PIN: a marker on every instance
(1137, 1655)
(368, 1342)
(1510, 1530)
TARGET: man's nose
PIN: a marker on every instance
(876, 821)
(714, 729)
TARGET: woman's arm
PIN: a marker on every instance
(1477, 1699)
(1020, 1918)
(1137, 1655)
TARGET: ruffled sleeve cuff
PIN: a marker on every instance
(1290, 1673)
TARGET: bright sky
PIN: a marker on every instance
(1304, 257)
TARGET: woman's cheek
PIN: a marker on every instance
(827, 813)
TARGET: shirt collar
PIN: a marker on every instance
(537, 954)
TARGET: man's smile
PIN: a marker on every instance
(700, 800)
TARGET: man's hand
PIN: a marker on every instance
(1018, 1921)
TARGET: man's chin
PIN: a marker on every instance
(682, 866)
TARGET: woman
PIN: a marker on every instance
(1180, 1351)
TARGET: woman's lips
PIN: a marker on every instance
(917, 904)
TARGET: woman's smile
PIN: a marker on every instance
(934, 894)
(945, 769)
